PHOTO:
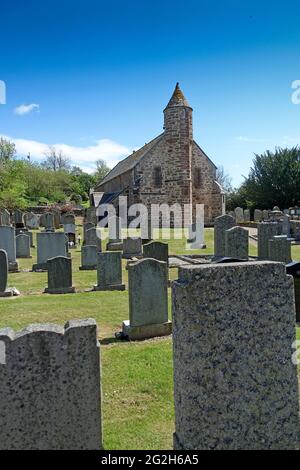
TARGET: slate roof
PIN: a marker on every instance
(131, 161)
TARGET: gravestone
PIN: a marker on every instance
(222, 223)
(196, 236)
(68, 218)
(56, 218)
(239, 215)
(93, 237)
(115, 234)
(293, 268)
(280, 249)
(247, 215)
(27, 232)
(86, 227)
(109, 271)
(59, 276)
(49, 245)
(4, 217)
(266, 231)
(91, 216)
(31, 221)
(235, 384)
(148, 300)
(8, 244)
(4, 291)
(70, 231)
(50, 393)
(237, 243)
(88, 258)
(18, 218)
(295, 229)
(276, 209)
(23, 246)
(265, 215)
(156, 250)
(132, 247)
(49, 221)
(258, 215)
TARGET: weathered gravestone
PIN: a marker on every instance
(132, 247)
(23, 246)
(70, 232)
(68, 218)
(91, 216)
(25, 231)
(4, 290)
(156, 250)
(148, 300)
(109, 271)
(285, 224)
(258, 215)
(247, 217)
(93, 237)
(115, 234)
(265, 215)
(295, 229)
(239, 215)
(266, 231)
(59, 276)
(280, 249)
(86, 227)
(50, 394)
(237, 243)
(31, 221)
(222, 223)
(8, 244)
(235, 384)
(88, 258)
(49, 245)
(4, 217)
(18, 218)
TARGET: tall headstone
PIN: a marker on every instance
(50, 392)
(247, 217)
(239, 215)
(265, 215)
(237, 243)
(156, 250)
(280, 249)
(23, 246)
(4, 217)
(222, 223)
(4, 291)
(59, 276)
(86, 227)
(295, 229)
(148, 300)
(18, 218)
(286, 229)
(68, 218)
(8, 244)
(49, 245)
(266, 231)
(132, 247)
(93, 237)
(235, 384)
(91, 216)
(258, 215)
(88, 258)
(109, 271)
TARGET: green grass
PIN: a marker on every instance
(137, 377)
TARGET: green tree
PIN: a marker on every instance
(101, 170)
(274, 179)
(7, 150)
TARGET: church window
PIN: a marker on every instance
(197, 177)
(157, 177)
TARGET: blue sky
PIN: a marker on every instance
(98, 74)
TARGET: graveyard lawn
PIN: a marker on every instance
(137, 377)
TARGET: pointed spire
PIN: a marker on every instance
(178, 98)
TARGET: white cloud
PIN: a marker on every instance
(85, 157)
(242, 138)
(26, 109)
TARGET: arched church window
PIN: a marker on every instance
(157, 177)
(197, 177)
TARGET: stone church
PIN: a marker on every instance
(171, 168)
